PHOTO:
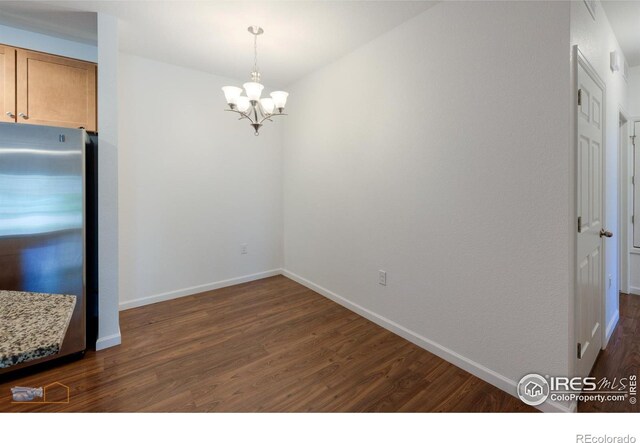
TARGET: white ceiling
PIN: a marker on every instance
(624, 17)
(300, 36)
(38, 17)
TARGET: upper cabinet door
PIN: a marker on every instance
(7, 84)
(55, 91)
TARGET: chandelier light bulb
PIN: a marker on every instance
(231, 94)
(243, 103)
(279, 99)
(267, 105)
(253, 90)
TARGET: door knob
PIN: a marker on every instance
(604, 233)
(11, 114)
(24, 116)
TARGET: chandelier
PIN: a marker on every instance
(251, 106)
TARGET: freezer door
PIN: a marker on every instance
(42, 216)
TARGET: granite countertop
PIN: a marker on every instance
(32, 325)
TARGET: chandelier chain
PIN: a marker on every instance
(255, 53)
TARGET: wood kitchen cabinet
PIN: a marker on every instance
(55, 91)
(7, 84)
(45, 89)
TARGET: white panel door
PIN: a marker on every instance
(590, 289)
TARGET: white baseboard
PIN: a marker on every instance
(611, 327)
(142, 301)
(108, 341)
(634, 290)
(480, 371)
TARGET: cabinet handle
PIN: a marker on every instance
(11, 114)
(24, 116)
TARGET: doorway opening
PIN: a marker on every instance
(630, 207)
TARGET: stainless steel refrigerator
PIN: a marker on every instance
(42, 218)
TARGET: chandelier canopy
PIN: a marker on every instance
(251, 106)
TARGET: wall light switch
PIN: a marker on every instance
(382, 277)
(244, 249)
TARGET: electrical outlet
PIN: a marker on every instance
(382, 277)
(244, 249)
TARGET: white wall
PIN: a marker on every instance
(108, 324)
(195, 184)
(439, 152)
(634, 91)
(45, 43)
(596, 40)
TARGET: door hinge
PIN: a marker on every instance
(579, 224)
(579, 351)
(633, 179)
(633, 219)
(633, 140)
(579, 97)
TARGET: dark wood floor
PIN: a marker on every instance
(621, 358)
(268, 345)
(274, 345)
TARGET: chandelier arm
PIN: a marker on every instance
(243, 115)
(262, 113)
(268, 117)
(247, 115)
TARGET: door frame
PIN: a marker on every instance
(579, 59)
(625, 195)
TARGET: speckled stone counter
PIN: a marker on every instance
(32, 325)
